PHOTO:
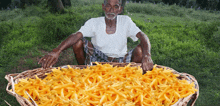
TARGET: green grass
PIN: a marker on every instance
(187, 45)
(184, 39)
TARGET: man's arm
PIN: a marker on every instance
(145, 43)
(147, 63)
(69, 41)
(52, 57)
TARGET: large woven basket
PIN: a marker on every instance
(40, 72)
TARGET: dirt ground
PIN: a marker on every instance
(66, 58)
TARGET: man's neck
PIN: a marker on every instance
(111, 23)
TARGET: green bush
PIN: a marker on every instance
(88, 11)
(54, 28)
(155, 9)
(10, 15)
(216, 37)
(18, 40)
(181, 46)
(181, 42)
(210, 34)
(5, 29)
(35, 11)
(173, 10)
(19, 14)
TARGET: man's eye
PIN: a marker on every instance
(116, 7)
(107, 6)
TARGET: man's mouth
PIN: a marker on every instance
(111, 14)
(108, 15)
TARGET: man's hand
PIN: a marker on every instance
(49, 59)
(147, 63)
(52, 57)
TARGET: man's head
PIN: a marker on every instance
(106, 1)
(112, 8)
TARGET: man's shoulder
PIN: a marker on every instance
(124, 16)
(102, 17)
(96, 19)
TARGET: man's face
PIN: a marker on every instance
(112, 9)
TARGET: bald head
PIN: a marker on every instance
(106, 1)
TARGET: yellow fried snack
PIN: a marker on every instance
(107, 86)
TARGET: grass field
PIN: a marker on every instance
(184, 39)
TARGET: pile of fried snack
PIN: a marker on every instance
(107, 86)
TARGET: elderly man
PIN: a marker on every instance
(108, 40)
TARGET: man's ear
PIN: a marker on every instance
(121, 9)
(103, 7)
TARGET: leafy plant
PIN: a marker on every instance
(54, 28)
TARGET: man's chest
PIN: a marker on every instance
(110, 30)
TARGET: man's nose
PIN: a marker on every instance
(111, 9)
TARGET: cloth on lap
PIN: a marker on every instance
(93, 54)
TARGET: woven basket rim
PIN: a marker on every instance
(14, 78)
